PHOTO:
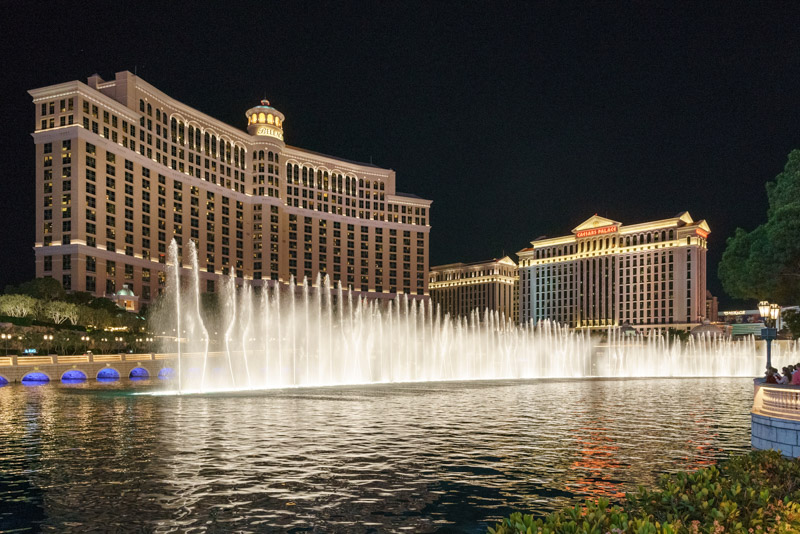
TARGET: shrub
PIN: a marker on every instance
(755, 492)
(17, 305)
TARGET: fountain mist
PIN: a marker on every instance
(304, 335)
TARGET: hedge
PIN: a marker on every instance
(755, 492)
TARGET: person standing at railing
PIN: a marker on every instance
(796, 375)
(772, 376)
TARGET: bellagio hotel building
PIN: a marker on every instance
(122, 169)
(605, 273)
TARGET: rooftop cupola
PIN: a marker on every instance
(265, 121)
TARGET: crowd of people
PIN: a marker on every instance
(791, 375)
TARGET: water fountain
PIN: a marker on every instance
(320, 335)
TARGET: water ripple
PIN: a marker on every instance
(447, 457)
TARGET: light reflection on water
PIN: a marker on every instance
(410, 457)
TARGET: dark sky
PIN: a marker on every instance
(518, 120)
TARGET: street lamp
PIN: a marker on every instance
(770, 313)
(5, 338)
(48, 339)
(763, 308)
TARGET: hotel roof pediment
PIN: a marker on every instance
(595, 221)
(703, 225)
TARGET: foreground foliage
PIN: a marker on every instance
(756, 492)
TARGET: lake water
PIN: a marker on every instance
(432, 457)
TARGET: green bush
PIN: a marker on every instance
(756, 492)
(18, 321)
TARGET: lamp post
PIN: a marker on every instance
(48, 338)
(5, 338)
(770, 313)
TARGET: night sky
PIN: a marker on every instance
(517, 120)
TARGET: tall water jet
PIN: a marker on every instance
(175, 290)
(200, 322)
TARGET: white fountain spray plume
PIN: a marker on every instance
(196, 293)
(175, 290)
(229, 289)
(287, 336)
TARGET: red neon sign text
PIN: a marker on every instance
(702, 233)
(597, 231)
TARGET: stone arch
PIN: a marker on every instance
(139, 373)
(107, 373)
(165, 373)
(178, 116)
(3, 381)
(73, 375)
(35, 377)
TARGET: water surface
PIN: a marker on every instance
(428, 457)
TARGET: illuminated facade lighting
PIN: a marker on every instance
(122, 169)
(460, 288)
(606, 274)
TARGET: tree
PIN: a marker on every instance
(46, 289)
(765, 263)
(81, 298)
(17, 305)
(59, 312)
(680, 336)
(791, 318)
(66, 341)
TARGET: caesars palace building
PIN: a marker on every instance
(122, 169)
(649, 275)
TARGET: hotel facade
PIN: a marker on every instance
(649, 275)
(122, 169)
(460, 288)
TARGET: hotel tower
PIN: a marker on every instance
(122, 169)
(649, 275)
(460, 288)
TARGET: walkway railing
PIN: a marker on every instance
(774, 400)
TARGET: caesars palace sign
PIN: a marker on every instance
(597, 231)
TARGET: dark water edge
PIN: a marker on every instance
(428, 457)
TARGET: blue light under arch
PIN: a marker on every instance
(35, 378)
(3, 381)
(74, 375)
(139, 373)
(166, 373)
(108, 374)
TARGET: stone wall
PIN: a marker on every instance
(773, 433)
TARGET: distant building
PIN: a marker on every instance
(124, 298)
(712, 307)
(462, 287)
(123, 168)
(741, 322)
(605, 274)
